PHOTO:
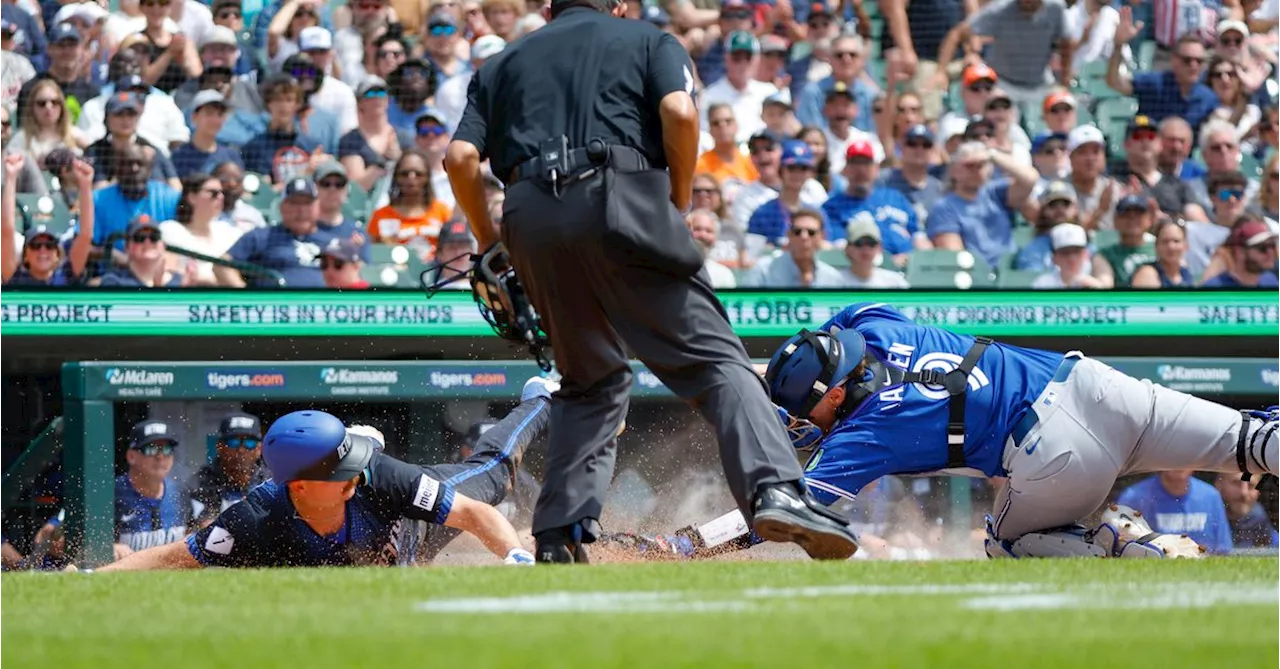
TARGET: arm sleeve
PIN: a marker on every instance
(234, 539)
(669, 69)
(349, 145)
(1144, 83)
(473, 128)
(411, 492)
(942, 219)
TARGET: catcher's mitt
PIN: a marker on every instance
(502, 301)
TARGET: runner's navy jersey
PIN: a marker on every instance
(264, 530)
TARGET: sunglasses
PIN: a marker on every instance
(443, 31)
(247, 443)
(1223, 74)
(1060, 109)
(982, 87)
(1143, 135)
(154, 3)
(417, 174)
(1192, 60)
(797, 168)
(144, 237)
(374, 93)
(331, 184)
(1232, 41)
(758, 149)
(1265, 248)
(152, 450)
(431, 130)
(999, 105)
(979, 135)
(736, 16)
(46, 102)
(1053, 148)
(740, 56)
(331, 263)
(1225, 194)
(919, 144)
(706, 191)
(388, 53)
(865, 243)
(805, 232)
(1057, 204)
(49, 245)
(303, 73)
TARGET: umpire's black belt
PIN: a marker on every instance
(621, 158)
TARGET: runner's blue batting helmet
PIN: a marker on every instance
(314, 446)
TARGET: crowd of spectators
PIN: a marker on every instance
(1033, 143)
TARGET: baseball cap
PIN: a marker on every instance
(1085, 134)
(978, 72)
(860, 148)
(773, 44)
(315, 38)
(139, 224)
(39, 231)
(655, 15)
(953, 126)
(151, 431)
(1251, 233)
(1044, 137)
(130, 82)
(240, 425)
(977, 121)
(226, 37)
(741, 40)
(782, 98)
(63, 32)
(89, 12)
(1057, 190)
(1232, 25)
(369, 84)
(734, 8)
(796, 152)
(487, 47)
(1133, 203)
(208, 96)
(862, 226)
(767, 135)
(315, 446)
(59, 158)
(840, 88)
(344, 249)
(820, 9)
(1068, 236)
(1139, 122)
(124, 101)
(430, 114)
(454, 232)
(300, 186)
(329, 169)
(1059, 98)
(442, 19)
(919, 131)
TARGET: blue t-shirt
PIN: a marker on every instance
(295, 257)
(1228, 280)
(922, 198)
(240, 127)
(112, 212)
(404, 121)
(1037, 255)
(890, 209)
(260, 152)
(187, 159)
(348, 229)
(1199, 514)
(985, 224)
(772, 220)
(814, 97)
(144, 522)
(1159, 98)
(902, 429)
(125, 278)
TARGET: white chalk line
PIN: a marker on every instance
(999, 597)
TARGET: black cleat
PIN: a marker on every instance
(783, 513)
(558, 547)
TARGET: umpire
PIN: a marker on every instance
(591, 123)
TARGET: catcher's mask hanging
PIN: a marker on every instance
(500, 297)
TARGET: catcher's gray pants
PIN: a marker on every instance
(1100, 424)
(594, 310)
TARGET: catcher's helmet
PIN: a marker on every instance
(810, 364)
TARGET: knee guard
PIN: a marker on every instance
(1069, 541)
(1126, 533)
(1257, 446)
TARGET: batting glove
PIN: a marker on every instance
(519, 557)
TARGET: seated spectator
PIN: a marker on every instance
(725, 160)
(798, 266)
(451, 98)
(848, 66)
(766, 155)
(778, 115)
(1220, 150)
(770, 220)
(1070, 260)
(134, 194)
(816, 138)
(373, 145)
(1095, 191)
(891, 210)
(173, 57)
(208, 115)
(234, 209)
(912, 177)
(411, 86)
(704, 225)
(331, 187)
(42, 262)
(502, 15)
(123, 112)
(220, 51)
(977, 81)
(414, 216)
(151, 508)
(1175, 150)
(863, 252)
(1175, 502)
(1008, 136)
(1252, 251)
(230, 15)
(1233, 44)
(1114, 265)
(235, 470)
(1057, 206)
(1204, 238)
(1167, 270)
(46, 124)
(29, 179)
(432, 139)
(1250, 526)
(1059, 112)
(440, 41)
(195, 226)
(977, 214)
(386, 52)
(68, 57)
(1142, 146)
(1234, 102)
(146, 264)
(331, 95)
(285, 148)
(340, 265)
(291, 248)
(162, 123)
(1050, 157)
(738, 88)
(1267, 203)
(839, 112)
(352, 42)
(455, 255)
(730, 249)
(286, 27)
(1164, 93)
(1262, 137)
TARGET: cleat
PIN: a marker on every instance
(538, 387)
(782, 513)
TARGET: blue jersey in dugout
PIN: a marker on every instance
(902, 429)
(143, 522)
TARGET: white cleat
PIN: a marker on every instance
(538, 387)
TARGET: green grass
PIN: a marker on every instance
(1209, 613)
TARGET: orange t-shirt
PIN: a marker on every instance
(740, 169)
(388, 226)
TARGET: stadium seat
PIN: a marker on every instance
(1104, 238)
(945, 279)
(944, 269)
(1022, 235)
(47, 210)
(357, 204)
(1013, 279)
(1250, 166)
(1146, 53)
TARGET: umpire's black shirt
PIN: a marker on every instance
(584, 75)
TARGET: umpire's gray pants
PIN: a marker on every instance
(1100, 424)
(594, 310)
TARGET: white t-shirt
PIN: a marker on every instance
(197, 21)
(451, 99)
(746, 104)
(880, 278)
(337, 98)
(162, 123)
(1101, 36)
(221, 237)
(836, 147)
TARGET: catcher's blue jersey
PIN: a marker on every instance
(902, 429)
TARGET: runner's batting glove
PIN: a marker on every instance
(519, 557)
(804, 435)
